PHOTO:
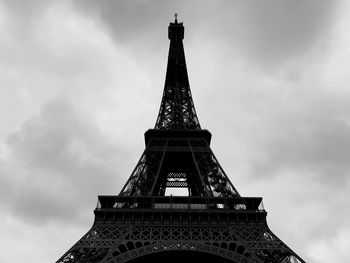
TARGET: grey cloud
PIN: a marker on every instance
(274, 31)
(62, 158)
(138, 25)
(269, 32)
(315, 139)
(299, 159)
(38, 205)
(23, 16)
(126, 19)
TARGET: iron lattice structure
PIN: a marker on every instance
(177, 109)
(212, 222)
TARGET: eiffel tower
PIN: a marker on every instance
(212, 222)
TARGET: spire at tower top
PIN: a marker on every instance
(176, 30)
(177, 109)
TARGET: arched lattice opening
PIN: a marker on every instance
(176, 256)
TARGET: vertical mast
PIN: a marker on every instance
(177, 109)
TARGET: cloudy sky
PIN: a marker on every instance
(81, 80)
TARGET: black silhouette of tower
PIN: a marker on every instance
(213, 222)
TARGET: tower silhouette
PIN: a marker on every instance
(212, 222)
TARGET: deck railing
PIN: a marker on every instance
(179, 202)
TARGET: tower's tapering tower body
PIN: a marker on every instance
(213, 222)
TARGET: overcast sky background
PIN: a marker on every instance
(81, 81)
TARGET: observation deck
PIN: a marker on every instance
(178, 210)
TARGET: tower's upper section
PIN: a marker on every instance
(177, 109)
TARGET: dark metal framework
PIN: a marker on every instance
(213, 219)
(181, 152)
(177, 109)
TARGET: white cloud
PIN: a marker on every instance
(334, 249)
(82, 80)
